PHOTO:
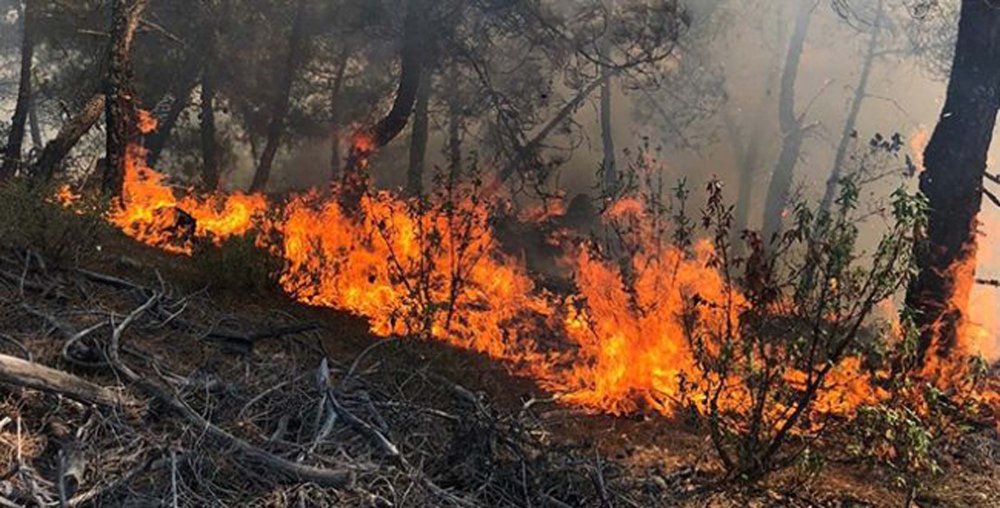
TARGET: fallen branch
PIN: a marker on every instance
(325, 477)
(362, 427)
(243, 341)
(20, 372)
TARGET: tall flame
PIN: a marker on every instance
(435, 269)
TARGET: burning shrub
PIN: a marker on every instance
(907, 434)
(412, 267)
(795, 357)
(770, 348)
(31, 220)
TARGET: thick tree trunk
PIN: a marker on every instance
(12, 162)
(792, 131)
(119, 108)
(860, 92)
(418, 138)
(608, 169)
(955, 160)
(282, 101)
(209, 146)
(364, 144)
(335, 114)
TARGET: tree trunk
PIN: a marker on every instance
(748, 160)
(751, 154)
(364, 143)
(282, 101)
(209, 146)
(860, 92)
(792, 131)
(36, 131)
(119, 108)
(455, 121)
(18, 372)
(157, 141)
(955, 160)
(11, 163)
(608, 169)
(335, 114)
(69, 135)
(418, 138)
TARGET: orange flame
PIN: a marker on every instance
(918, 143)
(436, 271)
(151, 212)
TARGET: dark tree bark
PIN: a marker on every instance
(209, 146)
(364, 144)
(860, 92)
(69, 135)
(335, 114)
(418, 138)
(955, 161)
(282, 101)
(11, 163)
(608, 169)
(119, 108)
(793, 133)
(36, 131)
(156, 142)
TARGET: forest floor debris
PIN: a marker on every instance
(155, 392)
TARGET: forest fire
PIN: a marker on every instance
(435, 270)
(460, 253)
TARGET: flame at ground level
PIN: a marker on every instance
(435, 270)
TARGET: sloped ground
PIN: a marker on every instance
(231, 396)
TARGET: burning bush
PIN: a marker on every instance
(771, 347)
(796, 355)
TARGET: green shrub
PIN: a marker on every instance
(31, 218)
(237, 264)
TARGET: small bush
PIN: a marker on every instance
(237, 264)
(31, 218)
(796, 355)
(898, 439)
